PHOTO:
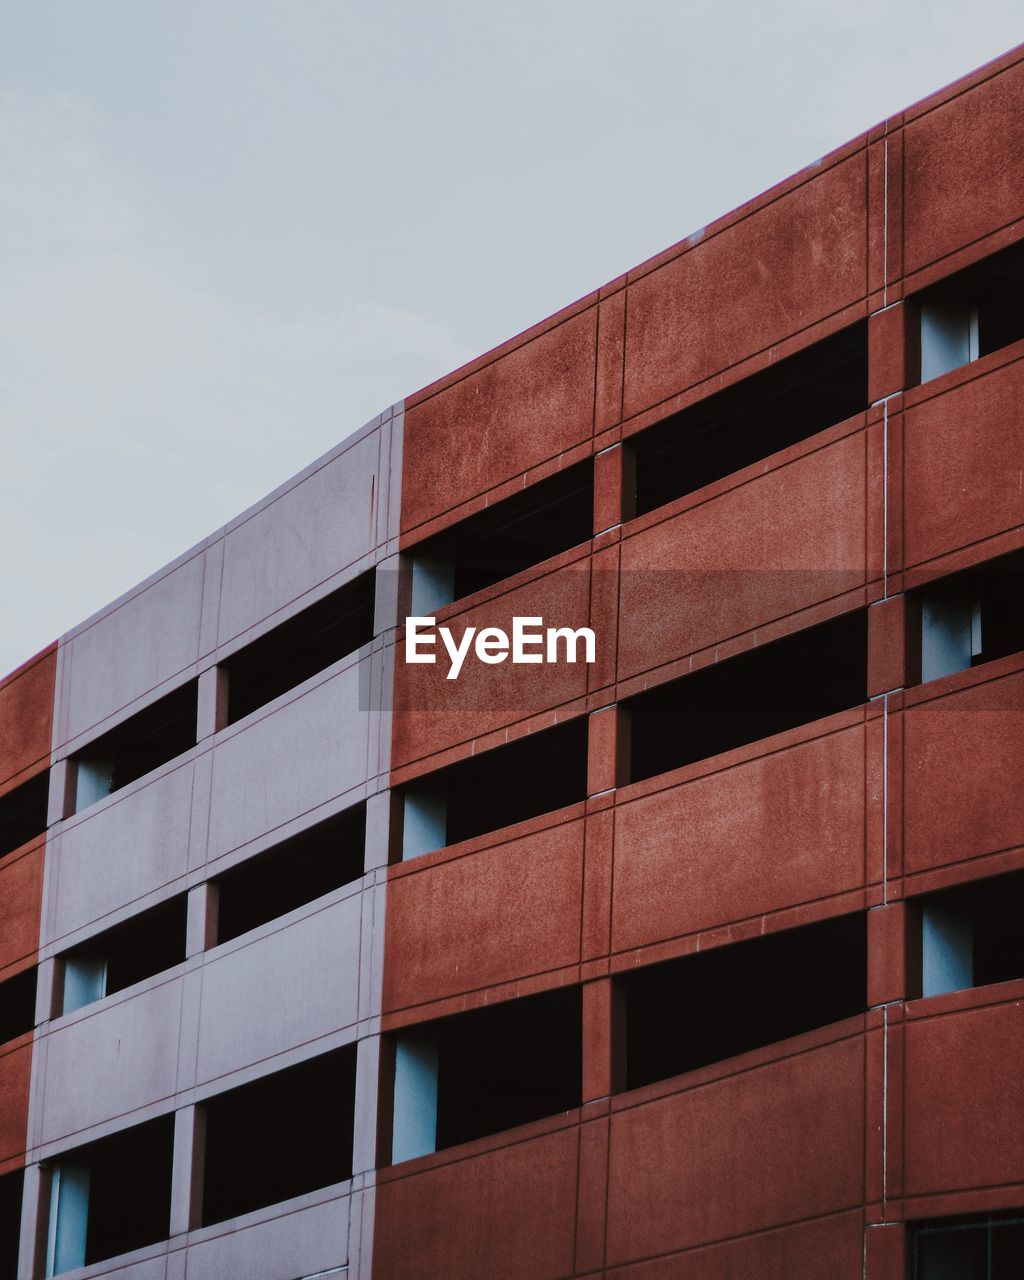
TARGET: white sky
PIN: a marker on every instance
(233, 230)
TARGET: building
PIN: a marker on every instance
(702, 960)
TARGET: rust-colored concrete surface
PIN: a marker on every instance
(759, 551)
(15, 1074)
(510, 415)
(507, 912)
(962, 176)
(768, 833)
(21, 887)
(964, 1101)
(832, 1247)
(26, 715)
(792, 263)
(968, 748)
(738, 1154)
(962, 486)
(435, 713)
(888, 337)
(504, 1214)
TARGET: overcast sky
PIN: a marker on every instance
(233, 230)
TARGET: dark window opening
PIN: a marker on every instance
(130, 952)
(537, 774)
(11, 1185)
(972, 313)
(507, 1065)
(970, 617)
(127, 1181)
(137, 746)
(23, 812)
(765, 413)
(540, 522)
(970, 1248)
(17, 1005)
(300, 648)
(704, 1008)
(279, 1137)
(292, 873)
(778, 686)
(970, 935)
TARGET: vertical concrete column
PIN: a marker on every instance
(607, 749)
(212, 713)
(611, 355)
(885, 1252)
(889, 964)
(414, 1115)
(48, 993)
(61, 800)
(887, 646)
(604, 1059)
(34, 1222)
(201, 919)
(187, 1170)
(892, 351)
(364, 1140)
(614, 487)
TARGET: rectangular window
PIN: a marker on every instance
(788, 402)
(972, 313)
(281, 1136)
(970, 935)
(978, 1248)
(130, 952)
(137, 746)
(794, 681)
(536, 774)
(968, 618)
(290, 874)
(481, 1072)
(300, 648)
(704, 1008)
(11, 1185)
(18, 1005)
(23, 812)
(541, 521)
(111, 1196)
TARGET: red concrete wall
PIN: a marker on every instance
(759, 546)
(503, 912)
(21, 890)
(505, 1210)
(26, 716)
(15, 1077)
(499, 419)
(708, 850)
(806, 1158)
(436, 713)
(965, 745)
(964, 1093)
(961, 176)
(787, 264)
(962, 487)
(737, 1154)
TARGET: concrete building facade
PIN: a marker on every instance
(699, 960)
